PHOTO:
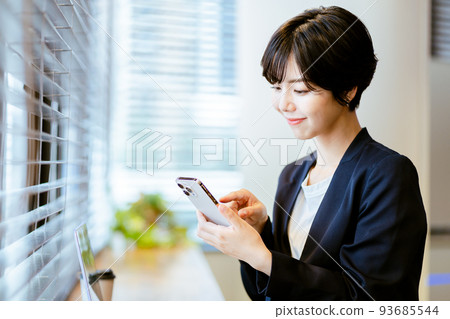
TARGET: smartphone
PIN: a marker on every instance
(202, 199)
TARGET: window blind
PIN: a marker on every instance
(54, 109)
(440, 40)
(180, 82)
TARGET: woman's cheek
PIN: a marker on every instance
(276, 103)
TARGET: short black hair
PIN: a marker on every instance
(332, 48)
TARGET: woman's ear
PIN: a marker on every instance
(351, 94)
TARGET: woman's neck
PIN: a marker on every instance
(333, 144)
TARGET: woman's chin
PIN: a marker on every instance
(302, 134)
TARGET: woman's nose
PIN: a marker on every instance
(285, 103)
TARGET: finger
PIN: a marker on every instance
(240, 196)
(209, 243)
(203, 221)
(205, 225)
(233, 205)
(200, 216)
(250, 211)
(207, 237)
(245, 212)
(230, 215)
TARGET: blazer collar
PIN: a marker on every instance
(356, 145)
(331, 199)
(361, 139)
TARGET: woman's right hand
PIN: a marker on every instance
(248, 207)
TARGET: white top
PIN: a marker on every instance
(303, 213)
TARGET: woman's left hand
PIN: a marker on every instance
(239, 240)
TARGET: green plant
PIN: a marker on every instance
(148, 222)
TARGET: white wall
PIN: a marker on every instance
(440, 145)
(395, 107)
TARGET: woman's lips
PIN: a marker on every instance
(295, 121)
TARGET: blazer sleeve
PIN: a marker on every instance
(382, 261)
(251, 278)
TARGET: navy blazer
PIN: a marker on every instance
(367, 238)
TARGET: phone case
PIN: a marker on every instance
(202, 199)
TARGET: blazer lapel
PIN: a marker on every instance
(286, 198)
(333, 197)
(327, 209)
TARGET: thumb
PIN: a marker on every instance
(229, 214)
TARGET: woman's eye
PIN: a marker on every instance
(301, 91)
(276, 88)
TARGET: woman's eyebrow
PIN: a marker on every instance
(295, 80)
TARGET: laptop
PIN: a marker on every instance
(90, 286)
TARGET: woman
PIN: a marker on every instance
(348, 221)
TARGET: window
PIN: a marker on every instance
(176, 93)
(440, 40)
(54, 108)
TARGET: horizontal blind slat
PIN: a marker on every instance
(18, 277)
(32, 216)
(18, 251)
(45, 187)
(60, 285)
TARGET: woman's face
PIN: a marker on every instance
(308, 113)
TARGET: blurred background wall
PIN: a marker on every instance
(439, 79)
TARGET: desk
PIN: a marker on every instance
(158, 274)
